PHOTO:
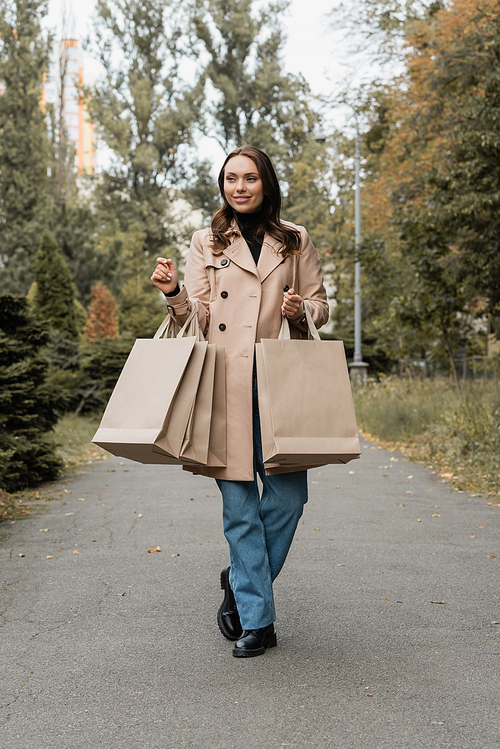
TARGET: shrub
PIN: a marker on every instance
(28, 406)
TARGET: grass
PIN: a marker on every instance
(73, 435)
(456, 431)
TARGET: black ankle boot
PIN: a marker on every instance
(228, 618)
(255, 641)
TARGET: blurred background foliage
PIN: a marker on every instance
(76, 251)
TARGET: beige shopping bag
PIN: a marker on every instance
(149, 412)
(205, 441)
(217, 449)
(305, 401)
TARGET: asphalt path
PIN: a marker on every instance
(388, 617)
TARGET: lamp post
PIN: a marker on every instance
(357, 367)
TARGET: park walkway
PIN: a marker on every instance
(388, 617)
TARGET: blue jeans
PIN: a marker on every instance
(259, 531)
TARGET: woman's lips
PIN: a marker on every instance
(242, 198)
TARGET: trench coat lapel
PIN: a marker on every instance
(269, 258)
(239, 253)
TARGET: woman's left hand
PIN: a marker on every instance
(291, 303)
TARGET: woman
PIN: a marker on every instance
(243, 274)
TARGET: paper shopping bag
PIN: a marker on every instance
(305, 401)
(149, 410)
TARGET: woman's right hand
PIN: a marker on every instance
(165, 275)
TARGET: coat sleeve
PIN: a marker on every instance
(196, 289)
(310, 286)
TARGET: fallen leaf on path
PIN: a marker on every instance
(472, 536)
(351, 471)
(151, 551)
(436, 515)
(400, 505)
(491, 556)
(43, 530)
(418, 520)
(317, 529)
(431, 490)
(385, 599)
(21, 555)
(50, 556)
(436, 601)
(50, 582)
(175, 555)
(75, 551)
(446, 475)
(139, 515)
(81, 499)
(99, 495)
(410, 477)
(408, 492)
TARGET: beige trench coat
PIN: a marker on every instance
(239, 303)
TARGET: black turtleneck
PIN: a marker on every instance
(248, 225)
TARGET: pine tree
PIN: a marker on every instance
(29, 408)
(75, 229)
(24, 197)
(55, 291)
(102, 321)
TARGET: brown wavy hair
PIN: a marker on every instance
(288, 237)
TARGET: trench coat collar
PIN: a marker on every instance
(239, 253)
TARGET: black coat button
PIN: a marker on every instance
(224, 294)
(224, 262)
(222, 326)
(285, 287)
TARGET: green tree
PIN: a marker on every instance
(55, 291)
(464, 190)
(144, 113)
(29, 408)
(251, 99)
(24, 195)
(75, 228)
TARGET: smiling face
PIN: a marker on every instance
(243, 186)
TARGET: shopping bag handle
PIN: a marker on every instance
(312, 332)
(191, 327)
